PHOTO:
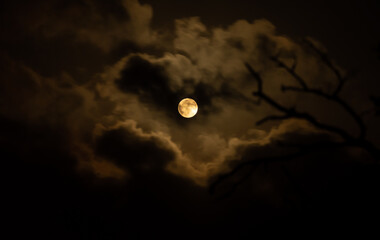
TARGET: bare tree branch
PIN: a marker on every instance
(272, 118)
(326, 60)
(357, 118)
(271, 102)
(257, 76)
(314, 91)
(294, 65)
(291, 71)
(347, 140)
(291, 112)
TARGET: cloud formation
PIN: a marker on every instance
(93, 147)
(124, 121)
(103, 24)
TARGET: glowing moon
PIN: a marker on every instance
(187, 108)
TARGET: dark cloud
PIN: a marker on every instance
(94, 147)
(204, 63)
(130, 151)
(150, 83)
(103, 24)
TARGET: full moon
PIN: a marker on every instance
(187, 108)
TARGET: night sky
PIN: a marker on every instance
(285, 141)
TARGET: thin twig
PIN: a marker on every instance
(291, 71)
(335, 98)
(271, 118)
(326, 60)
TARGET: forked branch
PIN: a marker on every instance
(326, 60)
(334, 97)
(347, 140)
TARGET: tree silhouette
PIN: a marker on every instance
(245, 168)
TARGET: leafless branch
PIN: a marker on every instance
(257, 76)
(271, 118)
(290, 112)
(294, 65)
(335, 98)
(326, 60)
(291, 71)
